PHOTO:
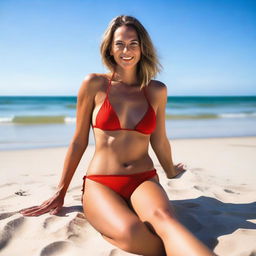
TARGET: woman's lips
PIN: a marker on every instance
(126, 58)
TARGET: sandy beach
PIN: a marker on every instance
(214, 199)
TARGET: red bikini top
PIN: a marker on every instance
(108, 120)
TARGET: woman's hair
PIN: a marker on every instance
(149, 65)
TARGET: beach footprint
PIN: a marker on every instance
(6, 215)
(230, 191)
(201, 188)
(9, 229)
(51, 224)
(117, 252)
(54, 224)
(58, 248)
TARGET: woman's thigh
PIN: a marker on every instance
(106, 211)
(149, 200)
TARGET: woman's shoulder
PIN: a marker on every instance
(95, 79)
(93, 82)
(157, 88)
(156, 85)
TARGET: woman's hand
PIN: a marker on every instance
(177, 171)
(52, 205)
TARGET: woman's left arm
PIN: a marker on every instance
(158, 138)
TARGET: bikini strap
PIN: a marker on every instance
(109, 84)
(145, 93)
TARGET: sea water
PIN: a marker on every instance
(49, 121)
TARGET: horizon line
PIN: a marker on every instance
(36, 95)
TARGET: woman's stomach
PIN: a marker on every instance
(120, 155)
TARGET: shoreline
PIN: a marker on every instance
(92, 144)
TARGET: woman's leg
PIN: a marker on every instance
(109, 214)
(151, 204)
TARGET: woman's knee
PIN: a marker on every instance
(159, 217)
(162, 214)
(128, 234)
(134, 237)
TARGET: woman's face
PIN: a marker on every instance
(125, 47)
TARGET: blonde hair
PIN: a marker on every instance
(149, 65)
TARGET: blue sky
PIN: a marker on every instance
(206, 47)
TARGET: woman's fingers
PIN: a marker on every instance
(34, 208)
(53, 205)
(53, 208)
(38, 211)
(181, 166)
(56, 210)
(41, 209)
(27, 212)
(28, 209)
(32, 212)
(179, 170)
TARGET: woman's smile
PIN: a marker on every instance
(126, 47)
(126, 58)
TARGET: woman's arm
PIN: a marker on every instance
(79, 142)
(158, 138)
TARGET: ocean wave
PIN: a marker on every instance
(6, 119)
(199, 116)
(37, 119)
(70, 119)
(71, 106)
(61, 119)
(211, 116)
(238, 115)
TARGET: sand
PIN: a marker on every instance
(214, 199)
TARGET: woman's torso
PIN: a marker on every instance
(121, 151)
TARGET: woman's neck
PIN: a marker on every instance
(128, 76)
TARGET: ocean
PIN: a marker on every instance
(49, 121)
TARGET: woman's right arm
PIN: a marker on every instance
(79, 142)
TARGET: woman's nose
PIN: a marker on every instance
(125, 48)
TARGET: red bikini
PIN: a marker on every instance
(125, 184)
(107, 120)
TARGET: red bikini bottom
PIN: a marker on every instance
(124, 185)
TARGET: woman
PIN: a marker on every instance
(122, 197)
